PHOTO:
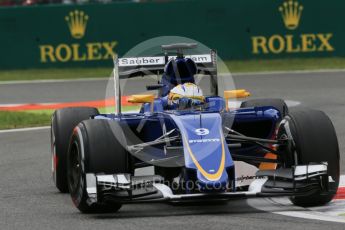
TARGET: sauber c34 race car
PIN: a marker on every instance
(200, 147)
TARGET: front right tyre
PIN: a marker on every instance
(97, 146)
(63, 122)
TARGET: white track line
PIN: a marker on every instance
(24, 129)
(283, 206)
(342, 181)
(312, 215)
(331, 212)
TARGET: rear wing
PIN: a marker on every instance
(141, 66)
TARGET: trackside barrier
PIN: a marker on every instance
(89, 35)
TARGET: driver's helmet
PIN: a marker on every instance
(178, 71)
(188, 93)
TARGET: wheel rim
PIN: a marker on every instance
(74, 171)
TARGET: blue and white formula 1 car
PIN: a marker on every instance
(199, 147)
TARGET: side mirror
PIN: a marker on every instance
(146, 98)
(231, 94)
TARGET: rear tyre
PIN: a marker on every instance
(63, 122)
(315, 141)
(102, 145)
(279, 104)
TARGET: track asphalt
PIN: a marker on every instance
(29, 200)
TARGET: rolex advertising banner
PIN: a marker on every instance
(89, 35)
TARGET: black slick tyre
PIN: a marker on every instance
(63, 122)
(315, 141)
(279, 104)
(97, 146)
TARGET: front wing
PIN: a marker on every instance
(122, 188)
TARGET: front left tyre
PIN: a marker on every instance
(279, 104)
(314, 141)
(97, 146)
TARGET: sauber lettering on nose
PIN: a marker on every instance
(204, 140)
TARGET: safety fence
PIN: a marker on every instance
(89, 35)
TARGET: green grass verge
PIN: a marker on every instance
(34, 118)
(234, 67)
(48, 74)
(11, 120)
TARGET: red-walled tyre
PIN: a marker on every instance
(97, 146)
(63, 122)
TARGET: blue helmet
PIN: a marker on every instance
(178, 71)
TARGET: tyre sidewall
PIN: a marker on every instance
(96, 156)
(313, 134)
(63, 122)
(279, 104)
(78, 193)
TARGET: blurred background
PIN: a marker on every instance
(55, 52)
(43, 2)
(58, 53)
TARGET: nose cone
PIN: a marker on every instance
(219, 185)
